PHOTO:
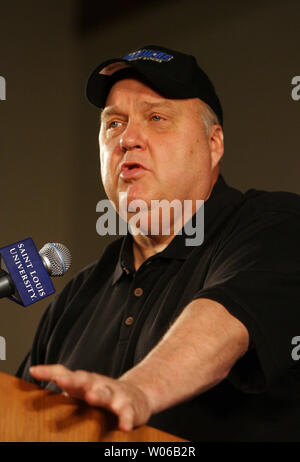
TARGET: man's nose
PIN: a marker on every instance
(132, 137)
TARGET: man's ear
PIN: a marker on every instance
(216, 144)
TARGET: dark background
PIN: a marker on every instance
(50, 181)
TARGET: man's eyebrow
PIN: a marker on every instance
(109, 110)
(112, 110)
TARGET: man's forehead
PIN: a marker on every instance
(144, 96)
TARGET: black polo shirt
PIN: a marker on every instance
(110, 316)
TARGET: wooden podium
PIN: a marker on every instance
(29, 413)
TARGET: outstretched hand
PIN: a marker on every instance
(124, 399)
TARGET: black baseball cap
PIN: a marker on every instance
(171, 73)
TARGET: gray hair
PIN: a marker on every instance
(208, 116)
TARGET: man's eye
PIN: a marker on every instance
(113, 124)
(156, 118)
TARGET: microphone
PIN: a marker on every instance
(27, 279)
(57, 258)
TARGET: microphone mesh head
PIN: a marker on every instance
(59, 257)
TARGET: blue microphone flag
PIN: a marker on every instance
(26, 268)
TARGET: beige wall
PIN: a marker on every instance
(48, 132)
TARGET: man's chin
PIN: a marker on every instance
(135, 197)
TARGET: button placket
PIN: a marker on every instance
(138, 292)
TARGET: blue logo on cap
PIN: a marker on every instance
(151, 55)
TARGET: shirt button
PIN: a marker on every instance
(129, 321)
(138, 291)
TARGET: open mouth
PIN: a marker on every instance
(130, 169)
(133, 166)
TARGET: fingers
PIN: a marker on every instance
(126, 418)
(51, 373)
(95, 389)
(48, 371)
(75, 383)
(117, 400)
(98, 394)
(123, 399)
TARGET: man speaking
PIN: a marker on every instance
(193, 339)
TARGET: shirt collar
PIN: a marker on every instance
(217, 208)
